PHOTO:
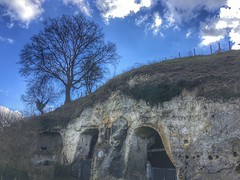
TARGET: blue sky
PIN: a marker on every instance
(143, 30)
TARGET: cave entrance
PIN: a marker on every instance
(158, 165)
(92, 144)
(89, 140)
(48, 155)
(49, 145)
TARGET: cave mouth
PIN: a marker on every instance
(160, 164)
(50, 142)
(93, 143)
(157, 155)
(92, 136)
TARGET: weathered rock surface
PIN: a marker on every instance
(201, 137)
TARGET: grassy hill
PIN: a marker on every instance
(216, 77)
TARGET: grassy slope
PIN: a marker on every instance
(216, 77)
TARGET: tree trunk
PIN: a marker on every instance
(67, 94)
(40, 106)
(41, 111)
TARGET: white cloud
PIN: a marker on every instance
(10, 25)
(24, 11)
(180, 11)
(8, 40)
(141, 20)
(189, 33)
(235, 37)
(231, 17)
(226, 24)
(120, 8)
(151, 23)
(157, 22)
(206, 40)
(83, 5)
(210, 34)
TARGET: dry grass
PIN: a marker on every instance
(216, 77)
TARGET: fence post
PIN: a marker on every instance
(219, 47)
(211, 49)
(229, 45)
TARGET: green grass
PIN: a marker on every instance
(216, 77)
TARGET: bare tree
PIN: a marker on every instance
(93, 78)
(39, 94)
(67, 50)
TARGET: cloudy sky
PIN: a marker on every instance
(143, 30)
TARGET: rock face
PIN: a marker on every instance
(200, 137)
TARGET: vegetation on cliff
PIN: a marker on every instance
(216, 77)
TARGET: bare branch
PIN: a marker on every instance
(70, 50)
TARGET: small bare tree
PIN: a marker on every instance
(39, 94)
(93, 78)
(71, 51)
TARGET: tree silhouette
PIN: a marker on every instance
(69, 50)
(39, 94)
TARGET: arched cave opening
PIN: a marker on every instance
(157, 155)
(93, 144)
(157, 164)
(80, 169)
(47, 155)
(50, 143)
(89, 139)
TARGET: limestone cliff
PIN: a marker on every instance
(179, 118)
(201, 137)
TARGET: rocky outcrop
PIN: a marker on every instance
(201, 137)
